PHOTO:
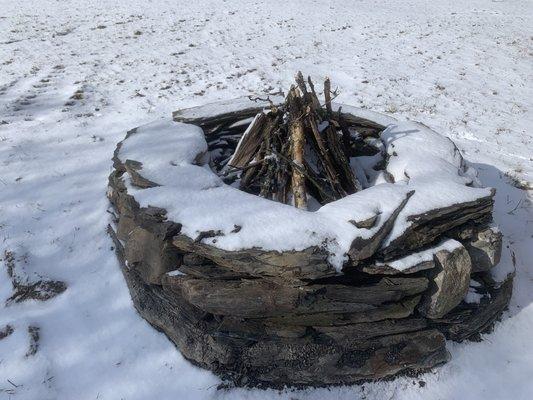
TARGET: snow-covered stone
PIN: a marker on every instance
(417, 261)
(247, 279)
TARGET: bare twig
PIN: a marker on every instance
(327, 95)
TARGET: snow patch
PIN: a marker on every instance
(419, 257)
(429, 164)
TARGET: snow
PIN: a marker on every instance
(461, 68)
(176, 272)
(411, 260)
(150, 152)
(431, 166)
(473, 297)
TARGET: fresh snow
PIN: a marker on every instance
(461, 68)
(411, 260)
(431, 166)
(176, 272)
(473, 297)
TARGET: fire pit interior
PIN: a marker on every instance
(296, 241)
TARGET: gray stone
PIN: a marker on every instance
(208, 270)
(366, 223)
(151, 256)
(449, 282)
(310, 263)
(279, 355)
(485, 249)
(125, 226)
(467, 321)
(133, 168)
(362, 249)
(256, 298)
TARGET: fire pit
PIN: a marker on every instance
(285, 242)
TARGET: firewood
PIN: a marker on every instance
(342, 164)
(314, 97)
(324, 191)
(283, 178)
(290, 149)
(325, 158)
(248, 176)
(301, 85)
(346, 136)
(249, 143)
(306, 171)
(267, 185)
(327, 95)
(297, 135)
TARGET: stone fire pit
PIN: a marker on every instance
(262, 293)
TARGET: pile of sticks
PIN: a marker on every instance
(297, 150)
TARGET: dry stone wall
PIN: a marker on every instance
(259, 317)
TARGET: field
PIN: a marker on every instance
(76, 75)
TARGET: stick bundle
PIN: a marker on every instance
(297, 151)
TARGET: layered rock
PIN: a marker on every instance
(259, 315)
(449, 279)
(485, 249)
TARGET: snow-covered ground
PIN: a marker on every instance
(75, 75)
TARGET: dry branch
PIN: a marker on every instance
(249, 143)
(297, 135)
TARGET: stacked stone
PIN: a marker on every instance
(271, 318)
